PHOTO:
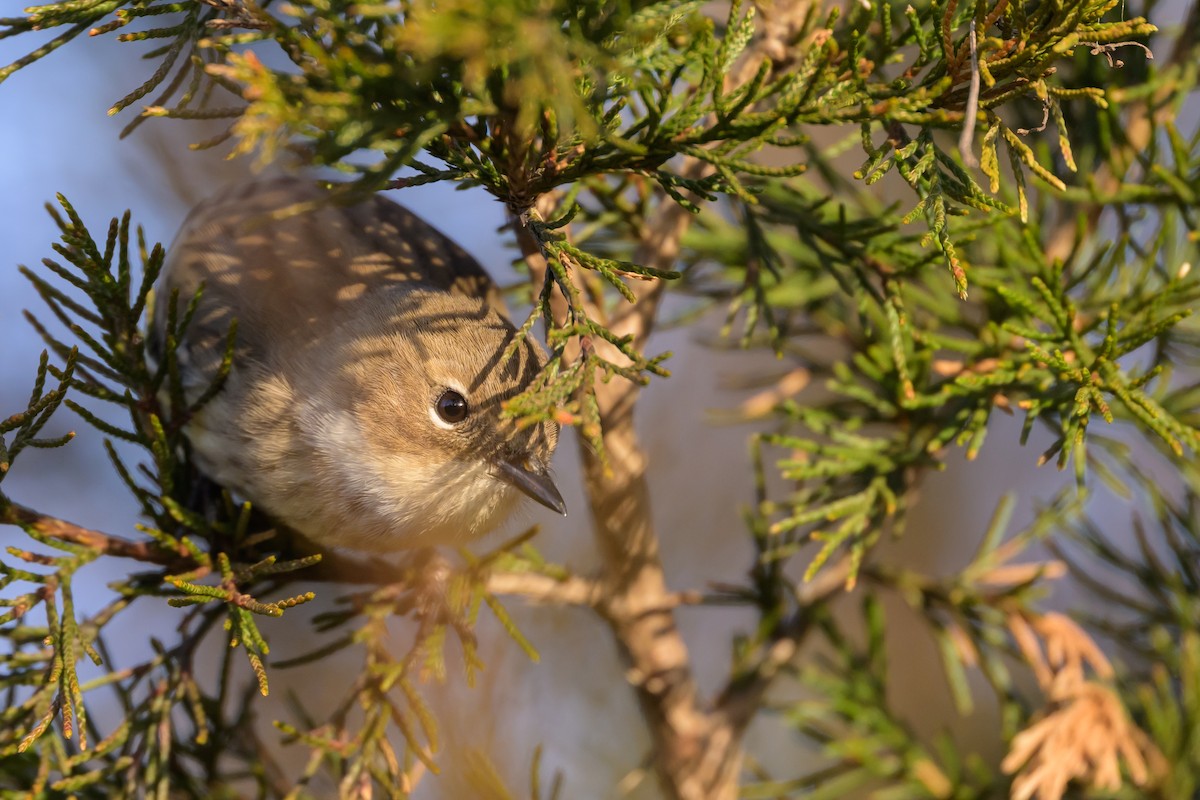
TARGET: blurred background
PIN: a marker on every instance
(56, 137)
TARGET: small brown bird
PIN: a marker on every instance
(363, 408)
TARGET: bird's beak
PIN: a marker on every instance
(535, 484)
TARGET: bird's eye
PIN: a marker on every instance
(452, 407)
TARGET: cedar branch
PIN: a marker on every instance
(106, 544)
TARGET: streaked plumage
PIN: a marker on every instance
(353, 321)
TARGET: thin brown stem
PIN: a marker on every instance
(741, 698)
(106, 544)
(697, 754)
(545, 589)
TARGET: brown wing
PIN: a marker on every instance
(286, 262)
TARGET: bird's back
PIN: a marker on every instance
(288, 264)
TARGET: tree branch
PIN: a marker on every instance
(545, 589)
(148, 551)
(333, 568)
(697, 755)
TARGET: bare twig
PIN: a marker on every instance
(741, 698)
(1041, 126)
(1106, 49)
(967, 138)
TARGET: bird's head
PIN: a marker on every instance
(410, 390)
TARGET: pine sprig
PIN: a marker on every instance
(22, 430)
(933, 373)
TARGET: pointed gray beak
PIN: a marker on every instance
(535, 484)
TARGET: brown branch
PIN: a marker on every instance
(573, 590)
(696, 755)
(634, 583)
(539, 589)
(631, 594)
(545, 589)
(106, 544)
(965, 146)
(333, 567)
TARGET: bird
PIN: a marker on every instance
(370, 364)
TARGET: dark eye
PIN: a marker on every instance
(452, 407)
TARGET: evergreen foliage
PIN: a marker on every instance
(1052, 280)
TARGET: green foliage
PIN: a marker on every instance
(1051, 339)
(857, 730)
(524, 97)
(209, 557)
(22, 429)
(1152, 595)
(1069, 300)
